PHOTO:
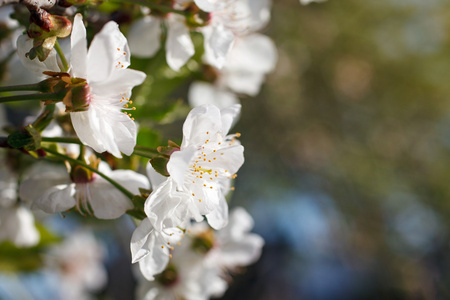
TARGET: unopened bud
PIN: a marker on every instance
(78, 97)
(44, 29)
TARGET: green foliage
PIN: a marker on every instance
(14, 259)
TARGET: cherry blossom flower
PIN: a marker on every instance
(145, 38)
(102, 126)
(227, 22)
(78, 263)
(51, 189)
(200, 265)
(207, 158)
(250, 59)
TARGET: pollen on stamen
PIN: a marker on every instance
(118, 49)
(238, 134)
(170, 255)
(133, 108)
(233, 188)
(193, 194)
(124, 53)
(199, 200)
(162, 246)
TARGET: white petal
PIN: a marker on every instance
(179, 46)
(242, 252)
(165, 207)
(131, 180)
(255, 53)
(211, 5)
(201, 93)
(157, 258)
(230, 116)
(218, 42)
(106, 201)
(56, 199)
(105, 129)
(109, 50)
(139, 241)
(219, 217)
(24, 44)
(198, 123)
(179, 163)
(41, 177)
(78, 42)
(17, 225)
(144, 36)
(119, 83)
(156, 179)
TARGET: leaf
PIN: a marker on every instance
(160, 165)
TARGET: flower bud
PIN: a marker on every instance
(78, 96)
(45, 29)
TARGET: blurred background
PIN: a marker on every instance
(347, 156)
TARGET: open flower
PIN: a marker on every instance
(236, 19)
(51, 189)
(101, 125)
(250, 59)
(207, 160)
(145, 38)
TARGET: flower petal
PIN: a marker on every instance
(201, 93)
(106, 201)
(118, 86)
(78, 42)
(56, 199)
(218, 218)
(218, 42)
(179, 46)
(139, 241)
(179, 163)
(109, 50)
(199, 123)
(144, 36)
(17, 225)
(24, 44)
(41, 177)
(165, 207)
(230, 116)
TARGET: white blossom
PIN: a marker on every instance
(51, 189)
(207, 158)
(78, 263)
(103, 126)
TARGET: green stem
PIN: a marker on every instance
(62, 57)
(160, 8)
(148, 149)
(75, 161)
(67, 140)
(23, 87)
(143, 154)
(43, 96)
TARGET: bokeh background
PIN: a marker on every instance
(347, 155)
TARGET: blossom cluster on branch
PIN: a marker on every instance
(80, 153)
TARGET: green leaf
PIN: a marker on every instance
(160, 165)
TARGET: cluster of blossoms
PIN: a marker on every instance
(185, 244)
